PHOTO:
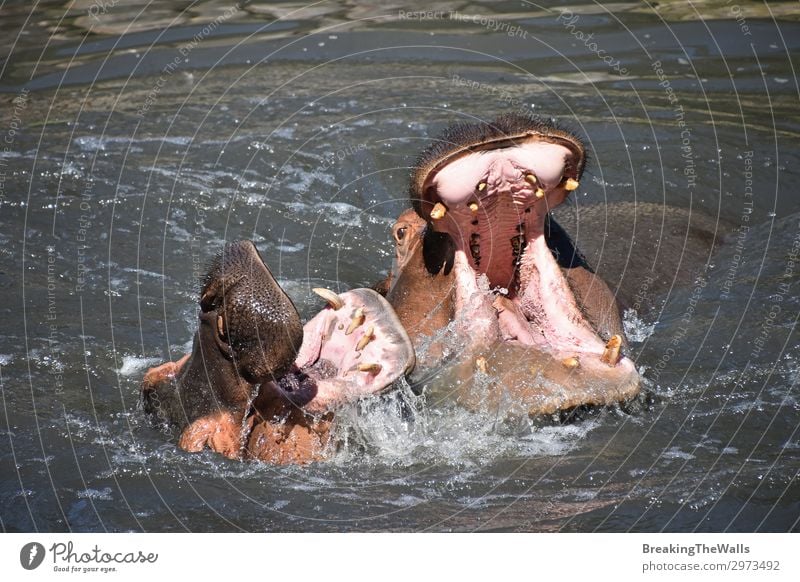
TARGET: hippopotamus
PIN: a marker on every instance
(480, 256)
(501, 306)
(488, 296)
(260, 385)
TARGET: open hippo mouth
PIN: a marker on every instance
(255, 371)
(354, 347)
(490, 187)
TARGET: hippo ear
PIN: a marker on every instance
(438, 251)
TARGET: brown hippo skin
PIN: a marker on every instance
(498, 302)
(260, 385)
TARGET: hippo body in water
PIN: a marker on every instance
(501, 306)
(260, 385)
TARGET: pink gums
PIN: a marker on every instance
(502, 236)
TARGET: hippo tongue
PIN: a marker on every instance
(354, 347)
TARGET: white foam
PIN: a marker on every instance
(133, 364)
(636, 330)
(103, 494)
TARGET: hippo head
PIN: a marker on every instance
(247, 318)
(485, 191)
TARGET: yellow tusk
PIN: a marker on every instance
(438, 211)
(358, 319)
(571, 184)
(571, 362)
(366, 338)
(539, 193)
(332, 298)
(371, 368)
(611, 354)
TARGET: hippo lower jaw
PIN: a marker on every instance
(354, 347)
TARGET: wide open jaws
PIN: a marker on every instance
(493, 199)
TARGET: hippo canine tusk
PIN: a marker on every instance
(571, 184)
(366, 338)
(571, 362)
(358, 319)
(371, 368)
(332, 298)
(438, 212)
(611, 354)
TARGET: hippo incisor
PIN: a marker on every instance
(481, 258)
(260, 385)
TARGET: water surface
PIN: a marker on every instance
(137, 139)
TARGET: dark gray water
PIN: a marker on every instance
(136, 139)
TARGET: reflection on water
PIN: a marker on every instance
(138, 137)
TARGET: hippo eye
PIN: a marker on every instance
(400, 233)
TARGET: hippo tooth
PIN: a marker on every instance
(531, 179)
(571, 362)
(475, 247)
(473, 206)
(539, 193)
(358, 319)
(438, 211)
(481, 365)
(611, 354)
(481, 186)
(221, 325)
(371, 368)
(366, 338)
(571, 184)
(332, 298)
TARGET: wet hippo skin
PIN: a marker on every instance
(481, 257)
(258, 384)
